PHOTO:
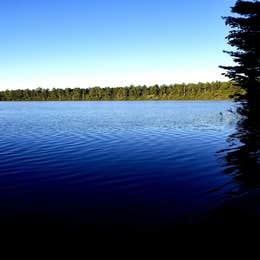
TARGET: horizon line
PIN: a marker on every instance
(118, 86)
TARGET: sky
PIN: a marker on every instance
(85, 43)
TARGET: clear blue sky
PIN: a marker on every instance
(110, 42)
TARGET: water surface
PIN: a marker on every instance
(104, 165)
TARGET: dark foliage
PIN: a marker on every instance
(245, 37)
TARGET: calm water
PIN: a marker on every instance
(101, 165)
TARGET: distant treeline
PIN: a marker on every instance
(200, 91)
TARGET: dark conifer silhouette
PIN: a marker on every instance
(245, 37)
(243, 159)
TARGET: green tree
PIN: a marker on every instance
(245, 38)
(243, 162)
(76, 94)
(154, 91)
(214, 90)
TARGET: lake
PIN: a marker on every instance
(106, 166)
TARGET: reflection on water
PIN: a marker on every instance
(106, 166)
(242, 162)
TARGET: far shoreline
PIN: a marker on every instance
(145, 100)
(173, 92)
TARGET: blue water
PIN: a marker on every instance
(138, 165)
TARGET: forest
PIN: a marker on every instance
(200, 91)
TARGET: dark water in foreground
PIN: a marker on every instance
(106, 166)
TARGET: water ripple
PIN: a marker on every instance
(158, 160)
